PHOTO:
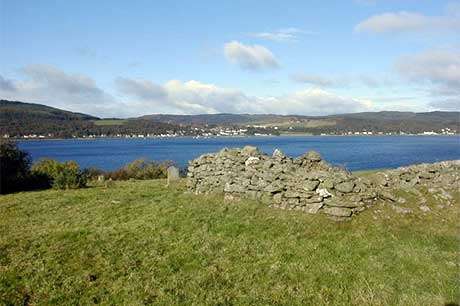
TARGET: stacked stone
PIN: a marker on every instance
(442, 175)
(306, 183)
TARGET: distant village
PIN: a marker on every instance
(235, 132)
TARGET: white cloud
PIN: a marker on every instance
(438, 67)
(143, 89)
(248, 57)
(400, 22)
(45, 77)
(438, 71)
(281, 35)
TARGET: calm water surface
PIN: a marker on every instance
(355, 152)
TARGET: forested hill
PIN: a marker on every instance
(18, 119)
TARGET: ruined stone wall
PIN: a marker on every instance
(440, 179)
(306, 183)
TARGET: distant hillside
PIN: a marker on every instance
(18, 118)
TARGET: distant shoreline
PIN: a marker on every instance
(214, 137)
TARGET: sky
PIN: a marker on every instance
(131, 58)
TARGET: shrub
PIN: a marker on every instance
(93, 173)
(14, 167)
(66, 175)
(140, 169)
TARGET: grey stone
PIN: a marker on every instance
(277, 153)
(291, 194)
(310, 185)
(273, 187)
(314, 199)
(252, 161)
(293, 201)
(173, 174)
(313, 156)
(387, 195)
(313, 208)
(345, 187)
(328, 183)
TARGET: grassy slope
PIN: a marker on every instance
(104, 122)
(140, 243)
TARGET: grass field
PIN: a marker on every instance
(139, 242)
(110, 122)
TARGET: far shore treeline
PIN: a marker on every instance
(19, 174)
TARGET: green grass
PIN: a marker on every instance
(141, 243)
(365, 173)
(104, 122)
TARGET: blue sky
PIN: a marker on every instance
(129, 58)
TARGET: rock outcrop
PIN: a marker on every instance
(306, 183)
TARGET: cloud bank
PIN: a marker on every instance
(135, 97)
(196, 97)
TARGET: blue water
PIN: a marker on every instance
(354, 152)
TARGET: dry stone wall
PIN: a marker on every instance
(306, 183)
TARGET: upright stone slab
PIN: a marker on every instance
(173, 174)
